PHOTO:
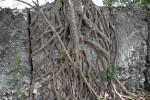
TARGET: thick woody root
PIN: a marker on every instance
(73, 48)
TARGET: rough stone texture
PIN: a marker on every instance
(14, 41)
(147, 72)
(132, 47)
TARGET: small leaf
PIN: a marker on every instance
(94, 7)
(21, 71)
(16, 80)
(122, 3)
(82, 33)
(144, 2)
(110, 4)
(19, 61)
(69, 36)
(71, 67)
(70, 64)
(47, 2)
(64, 55)
(89, 24)
(104, 80)
(60, 2)
(22, 75)
(60, 57)
(98, 56)
(108, 74)
(16, 92)
(105, 77)
(16, 69)
(111, 75)
(104, 74)
(21, 67)
(73, 53)
(22, 98)
(92, 37)
(98, 98)
(9, 83)
(113, 69)
(18, 57)
(22, 92)
(15, 74)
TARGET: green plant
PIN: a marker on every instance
(73, 53)
(60, 2)
(60, 57)
(92, 37)
(69, 36)
(113, 69)
(18, 74)
(108, 76)
(18, 70)
(22, 92)
(70, 65)
(145, 2)
(15, 92)
(98, 98)
(47, 3)
(82, 33)
(111, 3)
(22, 98)
(90, 26)
(82, 58)
(94, 7)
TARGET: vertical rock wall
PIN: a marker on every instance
(130, 23)
(14, 41)
(147, 71)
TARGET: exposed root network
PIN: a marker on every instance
(78, 43)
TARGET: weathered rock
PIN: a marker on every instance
(14, 41)
(147, 71)
(132, 47)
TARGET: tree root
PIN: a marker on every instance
(75, 38)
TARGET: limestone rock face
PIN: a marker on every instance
(14, 41)
(130, 23)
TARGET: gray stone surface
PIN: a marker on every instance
(147, 72)
(132, 47)
(14, 41)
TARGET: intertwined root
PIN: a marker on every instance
(73, 43)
